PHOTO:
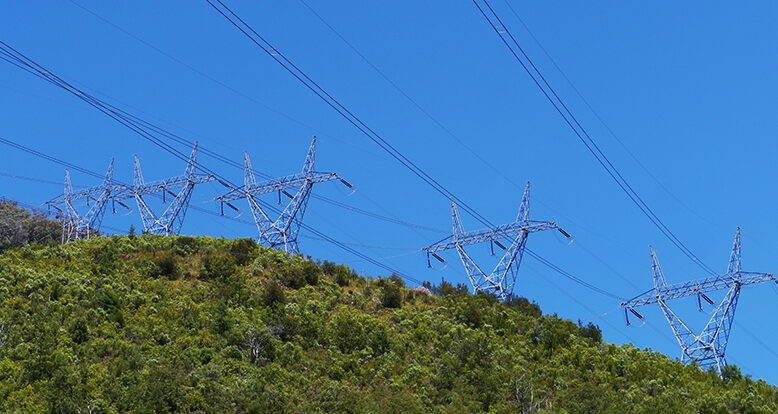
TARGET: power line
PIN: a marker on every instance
(321, 236)
(141, 127)
(551, 95)
(599, 118)
(639, 202)
(38, 180)
(336, 105)
(103, 106)
(229, 161)
(133, 123)
(461, 142)
(572, 277)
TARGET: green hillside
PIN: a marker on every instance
(182, 324)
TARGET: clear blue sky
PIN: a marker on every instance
(689, 88)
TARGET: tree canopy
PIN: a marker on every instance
(19, 226)
(182, 324)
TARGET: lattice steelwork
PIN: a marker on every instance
(502, 279)
(171, 220)
(74, 225)
(281, 232)
(708, 347)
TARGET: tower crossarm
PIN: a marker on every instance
(87, 193)
(490, 234)
(167, 184)
(294, 181)
(699, 286)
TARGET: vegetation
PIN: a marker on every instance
(20, 227)
(180, 324)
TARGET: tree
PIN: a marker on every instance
(20, 227)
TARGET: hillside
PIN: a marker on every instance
(182, 324)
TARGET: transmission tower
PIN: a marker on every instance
(503, 278)
(281, 232)
(171, 220)
(708, 347)
(74, 225)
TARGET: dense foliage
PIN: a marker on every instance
(162, 324)
(20, 227)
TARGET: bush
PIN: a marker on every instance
(590, 331)
(392, 296)
(470, 312)
(296, 277)
(524, 306)
(244, 250)
(79, 331)
(186, 245)
(217, 267)
(340, 273)
(292, 277)
(273, 295)
(311, 271)
(397, 280)
(260, 344)
(167, 266)
(447, 289)
(108, 300)
(19, 227)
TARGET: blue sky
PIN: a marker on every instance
(688, 88)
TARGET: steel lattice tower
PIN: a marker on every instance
(502, 279)
(171, 220)
(283, 231)
(74, 225)
(709, 346)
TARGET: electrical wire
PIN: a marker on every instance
(336, 105)
(321, 236)
(600, 119)
(37, 180)
(462, 143)
(551, 95)
(622, 183)
(137, 125)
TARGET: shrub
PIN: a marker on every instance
(108, 300)
(260, 344)
(590, 331)
(79, 331)
(311, 271)
(186, 245)
(167, 266)
(342, 279)
(244, 250)
(103, 257)
(470, 312)
(19, 227)
(397, 280)
(341, 273)
(392, 296)
(291, 277)
(524, 305)
(273, 295)
(217, 267)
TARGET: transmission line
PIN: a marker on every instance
(141, 127)
(451, 134)
(104, 106)
(137, 125)
(249, 98)
(37, 180)
(341, 109)
(320, 235)
(551, 95)
(598, 117)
